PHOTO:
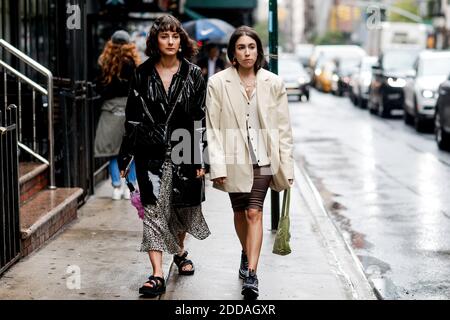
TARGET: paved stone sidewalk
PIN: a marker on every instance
(103, 246)
(319, 267)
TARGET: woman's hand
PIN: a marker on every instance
(200, 173)
(220, 181)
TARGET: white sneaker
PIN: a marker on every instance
(127, 194)
(117, 193)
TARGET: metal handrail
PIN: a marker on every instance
(34, 154)
(24, 78)
(43, 70)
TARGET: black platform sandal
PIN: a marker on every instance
(181, 261)
(158, 287)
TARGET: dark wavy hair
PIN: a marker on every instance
(231, 49)
(169, 23)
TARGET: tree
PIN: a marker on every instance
(262, 28)
(336, 37)
(407, 5)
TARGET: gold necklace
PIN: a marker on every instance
(248, 87)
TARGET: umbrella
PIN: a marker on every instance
(212, 30)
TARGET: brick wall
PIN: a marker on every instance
(33, 186)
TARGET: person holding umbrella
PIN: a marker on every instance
(167, 97)
(212, 62)
(250, 143)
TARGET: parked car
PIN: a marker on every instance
(324, 54)
(345, 67)
(295, 77)
(388, 80)
(442, 116)
(360, 81)
(421, 91)
(324, 74)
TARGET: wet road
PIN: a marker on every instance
(388, 189)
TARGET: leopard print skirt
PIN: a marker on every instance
(163, 223)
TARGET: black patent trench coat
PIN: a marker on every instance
(148, 107)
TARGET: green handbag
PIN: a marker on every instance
(281, 245)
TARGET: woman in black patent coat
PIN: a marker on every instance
(165, 121)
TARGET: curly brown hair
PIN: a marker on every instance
(169, 23)
(114, 56)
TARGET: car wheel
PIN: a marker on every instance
(383, 110)
(307, 96)
(371, 106)
(442, 137)
(419, 124)
(362, 103)
(407, 118)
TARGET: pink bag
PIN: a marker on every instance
(136, 200)
(135, 195)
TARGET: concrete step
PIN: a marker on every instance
(45, 214)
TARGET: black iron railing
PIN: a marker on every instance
(9, 189)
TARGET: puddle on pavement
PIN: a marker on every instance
(374, 268)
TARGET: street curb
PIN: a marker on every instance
(302, 173)
(167, 277)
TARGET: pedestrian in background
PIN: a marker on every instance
(212, 62)
(250, 142)
(167, 94)
(117, 63)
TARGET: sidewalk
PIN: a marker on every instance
(103, 245)
(320, 266)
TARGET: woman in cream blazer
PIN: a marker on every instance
(250, 145)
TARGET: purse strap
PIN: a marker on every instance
(286, 202)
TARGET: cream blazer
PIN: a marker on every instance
(226, 131)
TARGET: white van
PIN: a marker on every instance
(396, 35)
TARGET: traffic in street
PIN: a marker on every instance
(386, 188)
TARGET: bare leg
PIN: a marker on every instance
(181, 238)
(156, 261)
(240, 225)
(254, 237)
